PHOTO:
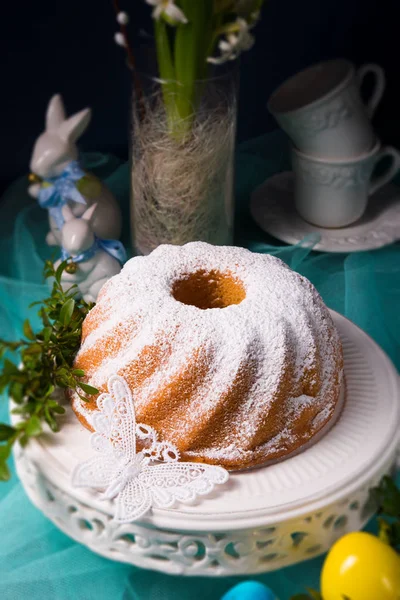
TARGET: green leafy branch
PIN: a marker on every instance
(45, 366)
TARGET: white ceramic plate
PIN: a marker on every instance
(272, 207)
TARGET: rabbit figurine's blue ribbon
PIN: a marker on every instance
(114, 248)
(56, 191)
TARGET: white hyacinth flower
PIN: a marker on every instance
(235, 42)
(168, 9)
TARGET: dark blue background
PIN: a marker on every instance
(67, 47)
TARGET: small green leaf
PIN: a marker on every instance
(32, 304)
(78, 373)
(33, 349)
(60, 271)
(5, 451)
(9, 368)
(23, 440)
(4, 471)
(66, 311)
(17, 391)
(20, 410)
(48, 268)
(51, 403)
(389, 497)
(89, 389)
(53, 406)
(84, 398)
(61, 372)
(72, 290)
(33, 427)
(384, 531)
(44, 317)
(28, 331)
(50, 420)
(47, 331)
(6, 432)
(54, 426)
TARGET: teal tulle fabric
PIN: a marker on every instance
(39, 562)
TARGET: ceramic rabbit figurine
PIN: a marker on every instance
(92, 260)
(55, 163)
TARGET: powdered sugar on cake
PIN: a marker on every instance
(280, 336)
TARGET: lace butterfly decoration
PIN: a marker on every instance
(138, 480)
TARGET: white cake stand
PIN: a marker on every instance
(260, 520)
(272, 207)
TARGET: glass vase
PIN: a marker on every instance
(182, 167)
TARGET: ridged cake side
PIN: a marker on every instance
(229, 354)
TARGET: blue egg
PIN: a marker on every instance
(249, 590)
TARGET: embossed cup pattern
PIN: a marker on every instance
(336, 194)
(321, 109)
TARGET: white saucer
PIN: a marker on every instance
(262, 519)
(272, 207)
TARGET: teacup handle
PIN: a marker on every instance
(379, 85)
(378, 182)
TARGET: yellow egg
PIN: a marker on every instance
(361, 567)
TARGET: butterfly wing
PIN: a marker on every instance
(117, 406)
(132, 502)
(96, 472)
(180, 481)
(114, 437)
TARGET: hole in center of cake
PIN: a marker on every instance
(209, 289)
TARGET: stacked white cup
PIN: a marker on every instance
(335, 150)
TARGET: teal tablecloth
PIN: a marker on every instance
(39, 562)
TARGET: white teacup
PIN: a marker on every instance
(321, 109)
(335, 193)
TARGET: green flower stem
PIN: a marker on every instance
(167, 74)
(182, 62)
(191, 44)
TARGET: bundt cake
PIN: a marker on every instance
(230, 355)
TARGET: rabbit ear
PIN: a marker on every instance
(67, 213)
(88, 214)
(71, 129)
(55, 115)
